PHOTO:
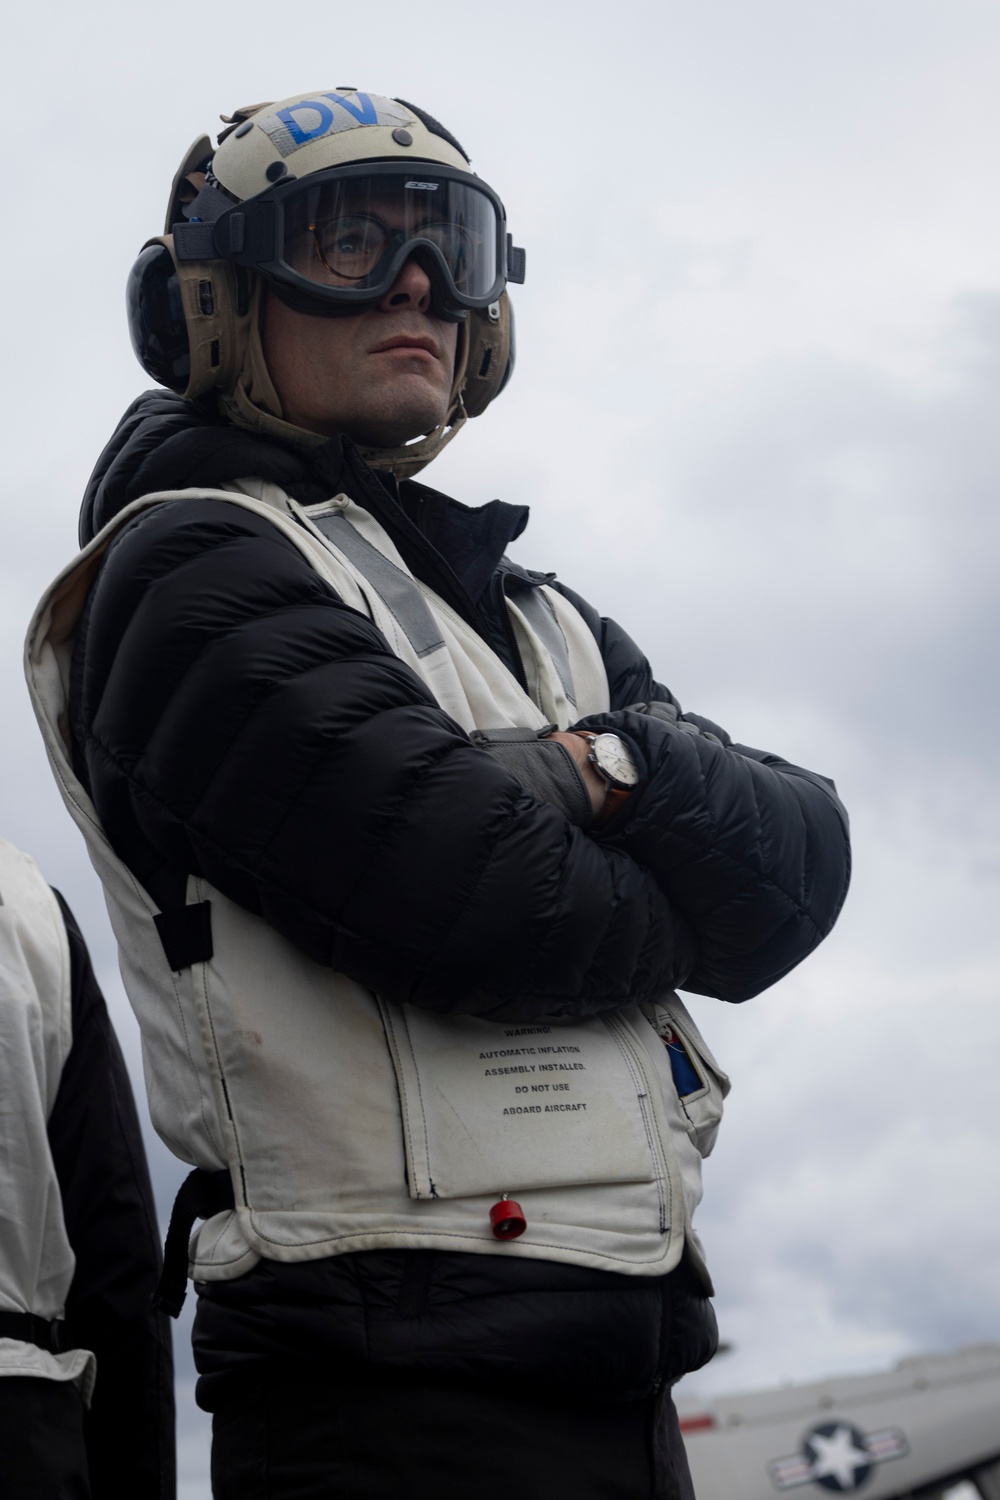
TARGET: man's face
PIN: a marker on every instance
(381, 376)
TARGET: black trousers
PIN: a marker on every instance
(305, 1438)
(42, 1452)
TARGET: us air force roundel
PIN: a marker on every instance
(837, 1456)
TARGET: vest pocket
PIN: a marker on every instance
(489, 1107)
(699, 1082)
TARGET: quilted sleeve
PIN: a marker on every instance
(753, 850)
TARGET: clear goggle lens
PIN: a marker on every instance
(348, 233)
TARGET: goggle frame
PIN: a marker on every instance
(252, 234)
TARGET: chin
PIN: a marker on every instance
(385, 431)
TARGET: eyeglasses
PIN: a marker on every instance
(352, 246)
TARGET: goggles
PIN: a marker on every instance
(337, 240)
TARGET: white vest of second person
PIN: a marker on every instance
(351, 1123)
(36, 1259)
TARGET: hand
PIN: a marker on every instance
(592, 779)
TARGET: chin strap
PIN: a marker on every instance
(410, 458)
(404, 462)
(244, 412)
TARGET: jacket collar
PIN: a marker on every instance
(164, 442)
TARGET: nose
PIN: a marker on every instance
(412, 288)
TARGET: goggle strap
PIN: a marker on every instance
(195, 242)
(194, 235)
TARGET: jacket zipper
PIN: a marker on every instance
(637, 1068)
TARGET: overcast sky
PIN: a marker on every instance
(754, 416)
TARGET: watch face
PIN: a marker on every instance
(615, 759)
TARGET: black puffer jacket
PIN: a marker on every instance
(232, 717)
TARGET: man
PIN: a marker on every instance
(86, 1380)
(406, 851)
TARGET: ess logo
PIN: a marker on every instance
(425, 187)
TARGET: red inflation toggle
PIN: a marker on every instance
(507, 1219)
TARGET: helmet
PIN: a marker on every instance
(296, 196)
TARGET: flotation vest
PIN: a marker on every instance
(36, 1259)
(348, 1122)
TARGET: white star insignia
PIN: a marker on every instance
(837, 1457)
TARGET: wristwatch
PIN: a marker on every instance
(613, 760)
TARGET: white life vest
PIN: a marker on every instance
(351, 1123)
(36, 1260)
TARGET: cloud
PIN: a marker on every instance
(849, 1205)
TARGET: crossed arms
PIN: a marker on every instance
(232, 715)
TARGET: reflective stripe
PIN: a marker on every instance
(541, 616)
(395, 588)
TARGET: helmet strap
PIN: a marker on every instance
(253, 402)
(409, 458)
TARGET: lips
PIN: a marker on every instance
(414, 341)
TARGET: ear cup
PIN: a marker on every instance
(491, 355)
(188, 321)
(156, 322)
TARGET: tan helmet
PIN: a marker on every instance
(261, 209)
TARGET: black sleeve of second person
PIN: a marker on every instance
(107, 1200)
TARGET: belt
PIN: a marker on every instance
(31, 1329)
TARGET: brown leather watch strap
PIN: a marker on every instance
(615, 797)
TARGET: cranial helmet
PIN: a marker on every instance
(323, 198)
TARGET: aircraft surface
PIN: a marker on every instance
(917, 1430)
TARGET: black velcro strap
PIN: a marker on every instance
(30, 1329)
(186, 934)
(195, 242)
(201, 1195)
(208, 206)
(516, 258)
